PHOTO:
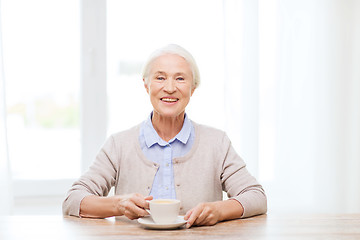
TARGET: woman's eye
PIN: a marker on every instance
(180, 79)
(160, 78)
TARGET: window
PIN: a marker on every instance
(138, 27)
(42, 69)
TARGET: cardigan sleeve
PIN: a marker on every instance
(239, 184)
(98, 180)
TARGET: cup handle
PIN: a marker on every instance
(148, 209)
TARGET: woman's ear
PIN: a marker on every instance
(192, 91)
(146, 86)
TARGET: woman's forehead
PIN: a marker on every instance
(169, 62)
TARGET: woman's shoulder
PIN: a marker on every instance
(207, 129)
(127, 135)
(211, 139)
(208, 132)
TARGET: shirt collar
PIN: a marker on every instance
(151, 137)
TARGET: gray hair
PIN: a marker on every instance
(177, 50)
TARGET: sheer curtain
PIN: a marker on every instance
(293, 99)
(5, 197)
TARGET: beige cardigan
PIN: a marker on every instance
(210, 167)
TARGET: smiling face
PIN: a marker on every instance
(170, 85)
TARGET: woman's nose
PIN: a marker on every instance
(170, 85)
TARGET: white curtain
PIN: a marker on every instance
(5, 196)
(293, 80)
(292, 99)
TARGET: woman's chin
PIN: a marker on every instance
(170, 114)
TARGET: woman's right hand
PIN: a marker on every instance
(133, 205)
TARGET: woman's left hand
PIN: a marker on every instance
(210, 213)
(207, 213)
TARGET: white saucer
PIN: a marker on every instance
(148, 222)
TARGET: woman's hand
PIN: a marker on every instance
(132, 206)
(210, 213)
(203, 214)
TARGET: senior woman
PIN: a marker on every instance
(168, 156)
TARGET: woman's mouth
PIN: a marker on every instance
(169, 100)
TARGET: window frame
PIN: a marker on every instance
(93, 103)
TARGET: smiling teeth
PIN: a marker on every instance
(169, 99)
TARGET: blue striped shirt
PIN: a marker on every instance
(161, 152)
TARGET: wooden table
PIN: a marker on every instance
(260, 227)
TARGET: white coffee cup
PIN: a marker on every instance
(164, 211)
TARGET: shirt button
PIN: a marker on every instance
(166, 188)
(167, 165)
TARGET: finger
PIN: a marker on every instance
(188, 213)
(194, 215)
(142, 203)
(142, 212)
(147, 199)
(133, 211)
(201, 218)
(128, 209)
(139, 200)
(208, 216)
(133, 206)
(205, 220)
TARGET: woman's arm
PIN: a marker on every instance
(96, 182)
(240, 185)
(247, 197)
(132, 206)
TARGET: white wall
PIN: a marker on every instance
(312, 91)
(6, 194)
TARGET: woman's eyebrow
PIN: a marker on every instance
(175, 74)
(180, 73)
(160, 72)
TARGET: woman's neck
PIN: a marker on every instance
(167, 127)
